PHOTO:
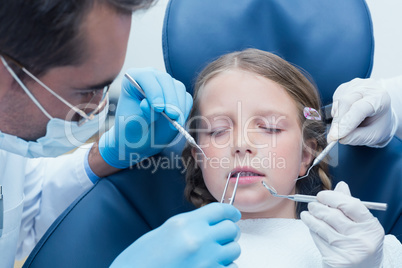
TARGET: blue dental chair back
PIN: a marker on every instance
(332, 40)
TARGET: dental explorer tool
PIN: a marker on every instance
(312, 198)
(1, 211)
(174, 123)
(319, 158)
(231, 200)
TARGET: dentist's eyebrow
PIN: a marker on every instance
(100, 85)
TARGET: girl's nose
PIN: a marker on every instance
(243, 144)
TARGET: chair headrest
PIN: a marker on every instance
(332, 40)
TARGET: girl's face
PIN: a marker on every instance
(249, 125)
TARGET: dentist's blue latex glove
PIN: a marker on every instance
(140, 130)
(206, 237)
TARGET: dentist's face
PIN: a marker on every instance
(251, 127)
(105, 35)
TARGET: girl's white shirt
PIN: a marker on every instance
(288, 243)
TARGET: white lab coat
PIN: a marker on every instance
(35, 192)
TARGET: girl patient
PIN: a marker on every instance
(248, 118)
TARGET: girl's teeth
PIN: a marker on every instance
(246, 174)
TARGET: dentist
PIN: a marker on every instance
(58, 58)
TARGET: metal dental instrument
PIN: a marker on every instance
(312, 198)
(174, 123)
(1, 210)
(231, 200)
(319, 158)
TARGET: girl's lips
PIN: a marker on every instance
(245, 171)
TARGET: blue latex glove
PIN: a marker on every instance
(140, 130)
(205, 237)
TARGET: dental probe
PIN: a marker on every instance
(324, 153)
(174, 123)
(320, 157)
(312, 198)
(1, 210)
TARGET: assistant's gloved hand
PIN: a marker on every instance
(343, 229)
(140, 130)
(205, 237)
(362, 114)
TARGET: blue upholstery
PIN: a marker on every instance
(109, 217)
(331, 39)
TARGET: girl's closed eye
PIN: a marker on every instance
(218, 131)
(270, 129)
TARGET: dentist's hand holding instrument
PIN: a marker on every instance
(173, 122)
(140, 131)
(205, 237)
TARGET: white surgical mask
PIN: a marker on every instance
(61, 137)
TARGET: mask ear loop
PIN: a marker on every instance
(32, 97)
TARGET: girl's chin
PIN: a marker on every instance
(274, 209)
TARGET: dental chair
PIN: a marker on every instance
(332, 40)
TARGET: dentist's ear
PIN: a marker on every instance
(308, 154)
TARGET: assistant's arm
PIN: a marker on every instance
(140, 130)
(394, 88)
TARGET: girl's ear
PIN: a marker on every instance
(194, 154)
(308, 154)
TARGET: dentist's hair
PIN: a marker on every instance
(297, 86)
(43, 34)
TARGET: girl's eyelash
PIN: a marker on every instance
(217, 132)
(271, 129)
(266, 129)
